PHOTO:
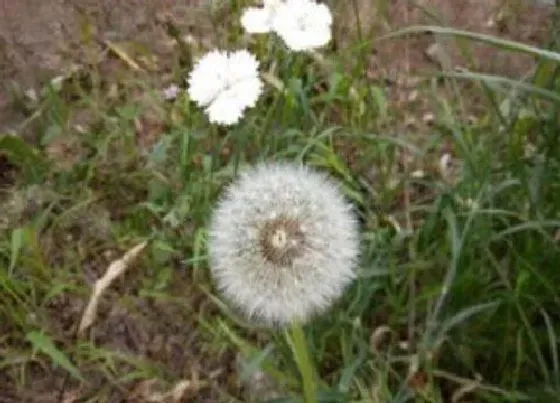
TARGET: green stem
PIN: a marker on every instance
(296, 339)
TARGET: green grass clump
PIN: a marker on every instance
(458, 293)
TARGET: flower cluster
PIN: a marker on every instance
(225, 84)
(283, 243)
(302, 24)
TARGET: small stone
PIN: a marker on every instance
(410, 122)
(428, 118)
(434, 53)
(31, 94)
(445, 163)
(413, 96)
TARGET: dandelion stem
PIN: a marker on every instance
(296, 339)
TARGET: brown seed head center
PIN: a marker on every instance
(282, 240)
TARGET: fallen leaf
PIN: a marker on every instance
(149, 391)
(177, 393)
(121, 54)
(115, 269)
(465, 390)
(380, 336)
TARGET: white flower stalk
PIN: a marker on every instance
(258, 20)
(283, 243)
(303, 24)
(225, 84)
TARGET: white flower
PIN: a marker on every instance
(258, 20)
(225, 84)
(303, 24)
(283, 243)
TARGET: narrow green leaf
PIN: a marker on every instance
(17, 245)
(489, 39)
(538, 226)
(18, 151)
(518, 85)
(461, 317)
(43, 343)
(248, 350)
(254, 363)
(349, 373)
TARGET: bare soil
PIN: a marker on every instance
(402, 61)
(40, 39)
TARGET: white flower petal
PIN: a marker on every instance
(323, 14)
(273, 4)
(318, 38)
(208, 77)
(225, 109)
(225, 84)
(256, 20)
(248, 92)
(242, 65)
(303, 24)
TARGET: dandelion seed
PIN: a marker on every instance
(283, 243)
(303, 24)
(225, 84)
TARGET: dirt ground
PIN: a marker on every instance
(399, 63)
(40, 39)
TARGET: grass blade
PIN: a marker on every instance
(461, 317)
(43, 343)
(488, 39)
(497, 80)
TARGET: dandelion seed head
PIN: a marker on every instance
(283, 243)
